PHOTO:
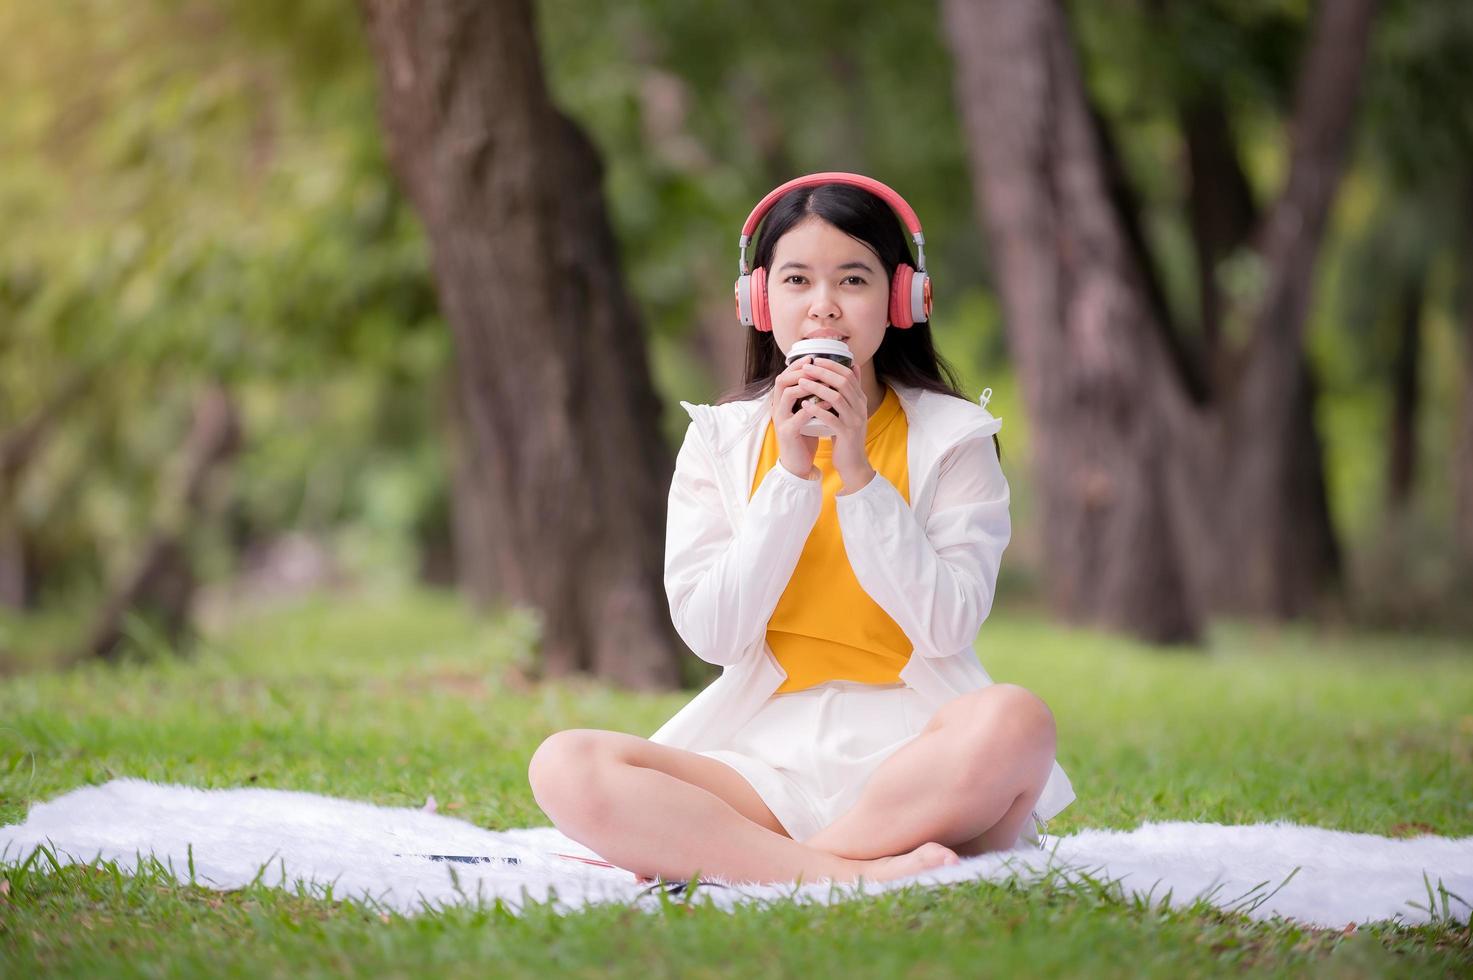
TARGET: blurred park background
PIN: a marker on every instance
(302, 295)
(340, 352)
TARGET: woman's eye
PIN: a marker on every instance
(857, 279)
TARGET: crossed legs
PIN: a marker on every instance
(969, 780)
(656, 810)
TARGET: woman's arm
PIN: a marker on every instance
(936, 582)
(723, 586)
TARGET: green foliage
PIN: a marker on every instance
(701, 109)
(204, 200)
(1401, 235)
(201, 192)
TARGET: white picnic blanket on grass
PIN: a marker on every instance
(231, 837)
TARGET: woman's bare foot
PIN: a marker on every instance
(923, 858)
(930, 855)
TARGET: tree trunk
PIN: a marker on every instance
(19, 448)
(1227, 495)
(1276, 554)
(1127, 210)
(17, 579)
(1222, 211)
(1406, 389)
(1463, 458)
(1075, 304)
(1462, 454)
(473, 523)
(1223, 216)
(561, 499)
(161, 582)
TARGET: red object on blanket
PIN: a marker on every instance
(602, 864)
(585, 860)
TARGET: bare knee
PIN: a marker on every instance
(1025, 714)
(1009, 711)
(562, 769)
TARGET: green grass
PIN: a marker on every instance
(391, 699)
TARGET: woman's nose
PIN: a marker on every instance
(823, 307)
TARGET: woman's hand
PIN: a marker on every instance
(794, 450)
(845, 409)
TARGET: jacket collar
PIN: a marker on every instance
(732, 433)
(938, 419)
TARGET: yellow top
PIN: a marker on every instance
(825, 626)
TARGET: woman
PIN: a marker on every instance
(839, 581)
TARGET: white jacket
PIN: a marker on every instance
(931, 565)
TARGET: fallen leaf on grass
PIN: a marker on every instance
(1412, 829)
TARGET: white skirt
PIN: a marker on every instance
(809, 753)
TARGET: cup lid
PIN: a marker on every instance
(819, 345)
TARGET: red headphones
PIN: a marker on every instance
(910, 289)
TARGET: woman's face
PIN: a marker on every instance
(823, 283)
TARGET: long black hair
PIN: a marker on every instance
(906, 357)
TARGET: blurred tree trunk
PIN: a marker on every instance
(1126, 205)
(1222, 214)
(1075, 303)
(1401, 458)
(1224, 217)
(562, 470)
(1462, 456)
(1210, 495)
(160, 582)
(17, 586)
(1276, 550)
(472, 522)
(19, 448)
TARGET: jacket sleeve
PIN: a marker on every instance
(722, 584)
(936, 582)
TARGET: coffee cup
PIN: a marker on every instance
(822, 347)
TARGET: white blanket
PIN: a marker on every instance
(231, 837)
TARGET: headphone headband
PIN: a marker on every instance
(896, 202)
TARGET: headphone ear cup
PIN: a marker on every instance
(920, 298)
(742, 294)
(761, 315)
(900, 292)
